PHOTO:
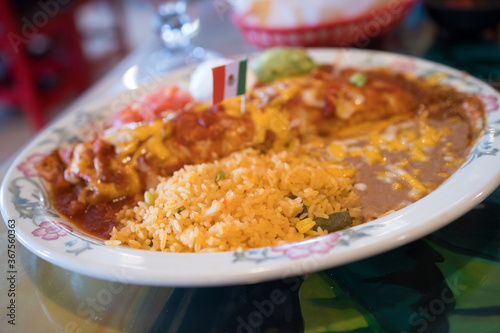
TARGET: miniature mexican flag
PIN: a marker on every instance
(229, 80)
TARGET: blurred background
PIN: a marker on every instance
(51, 51)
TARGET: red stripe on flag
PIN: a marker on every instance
(219, 74)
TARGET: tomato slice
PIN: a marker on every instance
(152, 105)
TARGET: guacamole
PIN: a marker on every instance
(281, 62)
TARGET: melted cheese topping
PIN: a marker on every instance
(412, 139)
(150, 136)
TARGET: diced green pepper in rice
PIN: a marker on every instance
(220, 176)
(334, 222)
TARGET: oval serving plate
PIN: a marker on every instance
(25, 198)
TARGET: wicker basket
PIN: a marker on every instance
(355, 31)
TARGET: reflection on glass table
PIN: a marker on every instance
(174, 28)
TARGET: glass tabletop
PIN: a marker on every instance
(445, 282)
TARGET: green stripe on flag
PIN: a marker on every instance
(242, 77)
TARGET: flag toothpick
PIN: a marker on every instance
(229, 81)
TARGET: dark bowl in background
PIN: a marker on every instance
(466, 18)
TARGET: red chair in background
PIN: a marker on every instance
(35, 80)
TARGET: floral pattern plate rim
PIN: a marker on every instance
(25, 198)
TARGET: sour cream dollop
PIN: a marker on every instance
(201, 80)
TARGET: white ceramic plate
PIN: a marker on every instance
(25, 199)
